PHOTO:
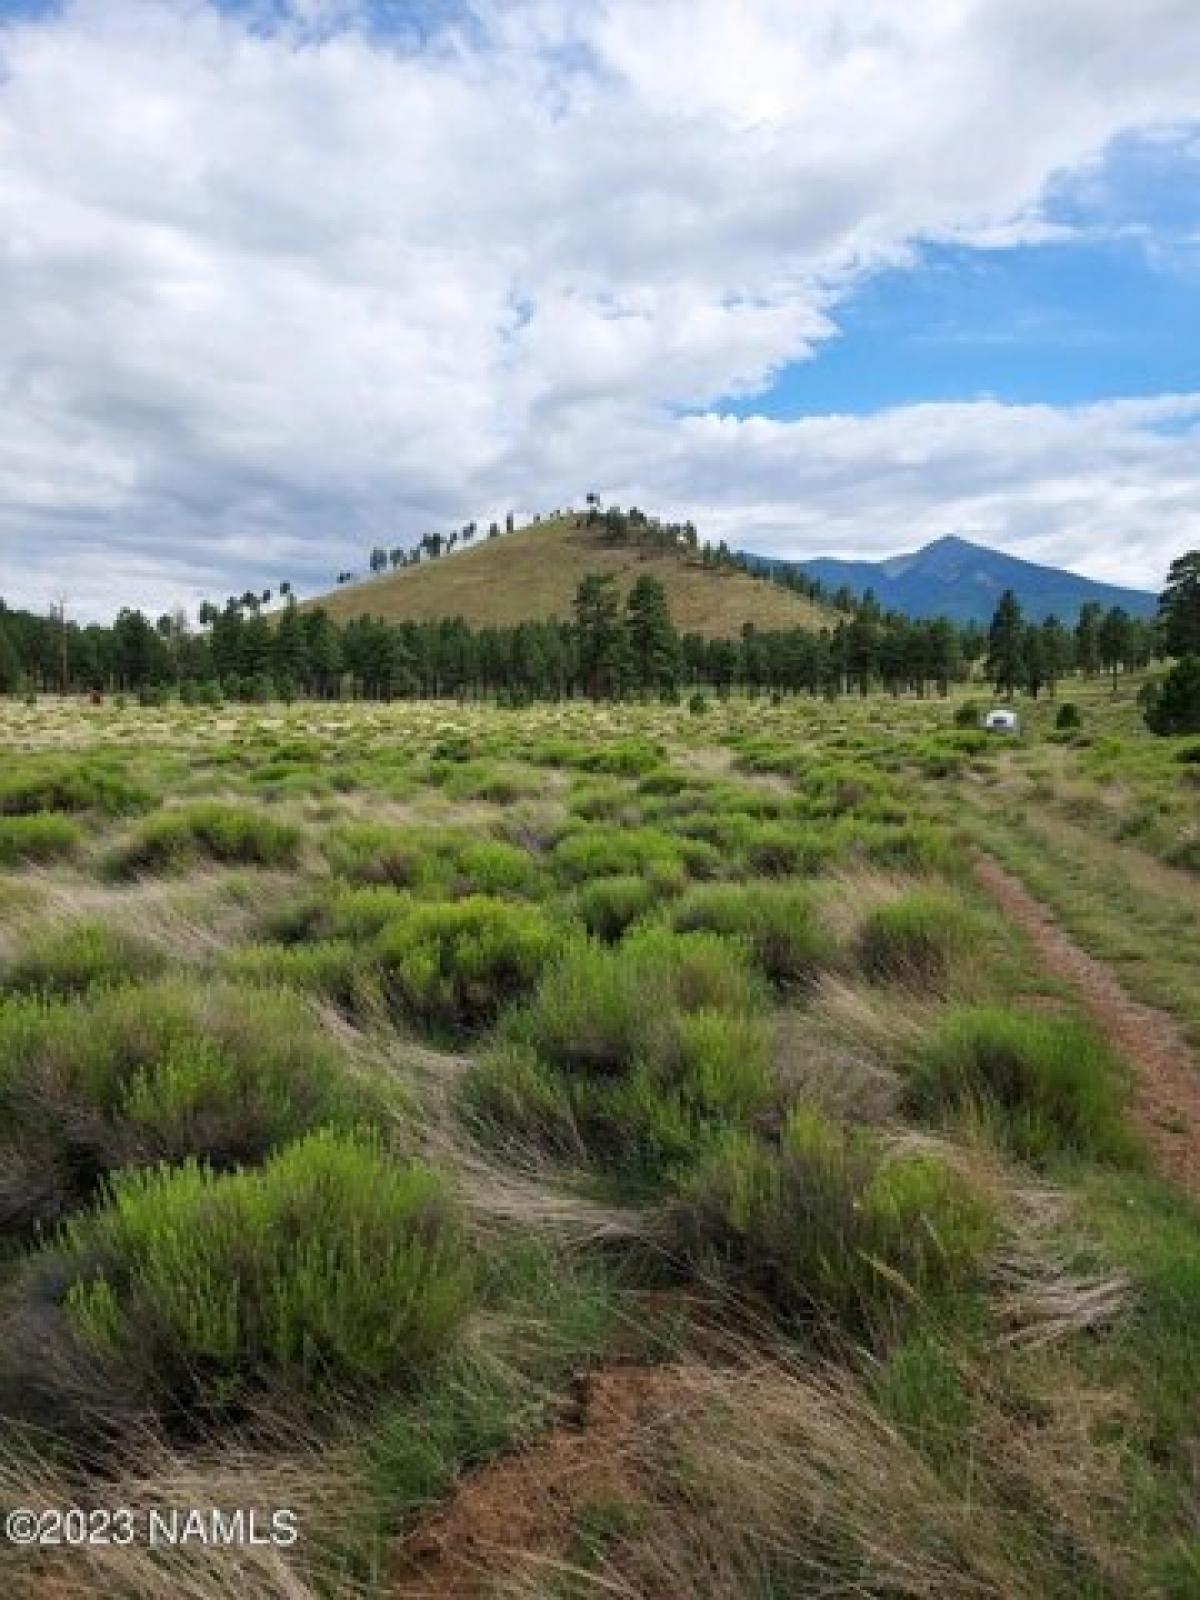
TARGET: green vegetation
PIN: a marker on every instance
(151, 1072)
(1048, 1084)
(331, 1265)
(778, 922)
(918, 938)
(171, 840)
(602, 1064)
(829, 1227)
(71, 958)
(38, 838)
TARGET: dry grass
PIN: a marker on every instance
(315, 1485)
(777, 1479)
(532, 574)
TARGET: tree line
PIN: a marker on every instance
(611, 647)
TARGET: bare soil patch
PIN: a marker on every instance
(520, 1512)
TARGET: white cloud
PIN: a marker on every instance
(267, 295)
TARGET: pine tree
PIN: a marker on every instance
(1115, 641)
(291, 648)
(1005, 660)
(653, 642)
(1087, 639)
(1056, 652)
(1179, 606)
(602, 652)
(1173, 706)
(10, 665)
(945, 654)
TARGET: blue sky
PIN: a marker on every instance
(281, 279)
(1110, 309)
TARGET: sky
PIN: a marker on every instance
(281, 280)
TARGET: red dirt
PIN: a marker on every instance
(519, 1512)
(1166, 1099)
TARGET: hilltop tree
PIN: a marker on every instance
(1006, 646)
(1179, 606)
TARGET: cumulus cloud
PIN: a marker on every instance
(281, 281)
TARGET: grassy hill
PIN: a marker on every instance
(532, 574)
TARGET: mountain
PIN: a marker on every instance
(954, 578)
(532, 574)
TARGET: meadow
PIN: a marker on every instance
(586, 1150)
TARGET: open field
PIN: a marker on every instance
(602, 1150)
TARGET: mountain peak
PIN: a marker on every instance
(958, 578)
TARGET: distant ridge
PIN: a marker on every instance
(956, 578)
(531, 575)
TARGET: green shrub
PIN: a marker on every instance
(330, 1266)
(916, 938)
(37, 838)
(1172, 705)
(1048, 1083)
(359, 914)
(161, 1071)
(597, 1010)
(430, 861)
(172, 840)
(636, 1055)
(492, 867)
(697, 704)
(776, 921)
(74, 957)
(500, 786)
(336, 969)
(908, 847)
(781, 850)
(615, 852)
(967, 715)
(456, 964)
(65, 784)
(608, 907)
(829, 1228)
(512, 1096)
(1068, 716)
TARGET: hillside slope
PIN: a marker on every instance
(956, 578)
(532, 574)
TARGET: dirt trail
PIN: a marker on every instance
(1166, 1100)
(520, 1513)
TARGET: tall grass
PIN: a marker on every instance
(331, 1265)
(637, 1054)
(171, 840)
(67, 959)
(917, 938)
(828, 1228)
(1047, 1084)
(162, 1071)
(44, 837)
(778, 922)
